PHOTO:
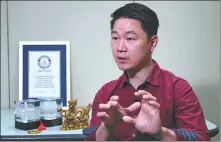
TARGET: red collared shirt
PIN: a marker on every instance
(179, 106)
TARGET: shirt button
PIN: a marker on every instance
(134, 135)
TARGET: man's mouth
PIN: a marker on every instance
(122, 59)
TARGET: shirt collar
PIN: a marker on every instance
(153, 77)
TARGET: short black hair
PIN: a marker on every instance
(146, 16)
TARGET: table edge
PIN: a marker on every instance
(44, 137)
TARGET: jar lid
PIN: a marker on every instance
(34, 102)
(57, 99)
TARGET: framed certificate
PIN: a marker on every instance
(44, 70)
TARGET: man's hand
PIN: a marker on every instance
(112, 112)
(148, 121)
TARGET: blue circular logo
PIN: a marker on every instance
(44, 62)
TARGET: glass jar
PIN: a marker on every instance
(49, 107)
(27, 114)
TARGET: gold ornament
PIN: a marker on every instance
(75, 117)
(36, 131)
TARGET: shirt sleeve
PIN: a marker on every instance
(189, 115)
(95, 121)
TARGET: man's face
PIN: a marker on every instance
(130, 44)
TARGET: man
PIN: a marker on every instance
(146, 102)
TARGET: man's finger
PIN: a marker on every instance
(129, 119)
(105, 106)
(141, 93)
(144, 92)
(148, 97)
(114, 98)
(99, 114)
(133, 107)
(114, 103)
(155, 104)
(103, 116)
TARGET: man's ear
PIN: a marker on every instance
(154, 41)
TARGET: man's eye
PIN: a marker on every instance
(114, 38)
(130, 39)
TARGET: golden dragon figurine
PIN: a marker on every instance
(75, 117)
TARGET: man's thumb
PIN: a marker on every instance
(129, 119)
(133, 107)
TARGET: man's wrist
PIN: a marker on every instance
(159, 135)
(167, 134)
(162, 134)
(108, 127)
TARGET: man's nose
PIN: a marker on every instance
(122, 46)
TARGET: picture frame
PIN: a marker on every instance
(44, 70)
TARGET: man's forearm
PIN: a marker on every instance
(167, 135)
(103, 133)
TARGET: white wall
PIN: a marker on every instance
(4, 57)
(83, 24)
(189, 44)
